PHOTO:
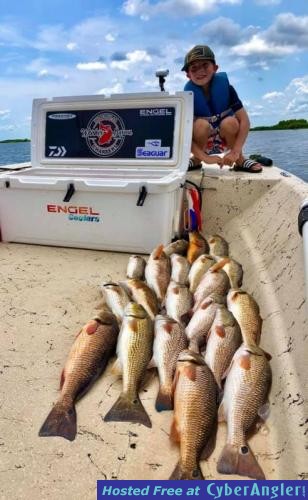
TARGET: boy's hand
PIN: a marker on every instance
(211, 159)
(231, 157)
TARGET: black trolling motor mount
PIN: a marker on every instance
(161, 75)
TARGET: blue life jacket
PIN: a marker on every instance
(220, 98)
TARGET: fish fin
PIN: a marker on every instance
(175, 380)
(220, 331)
(185, 318)
(180, 473)
(123, 284)
(264, 411)
(190, 372)
(244, 361)
(127, 410)
(91, 327)
(62, 378)
(175, 434)
(221, 413)
(157, 253)
(167, 328)
(268, 356)
(61, 421)
(234, 461)
(210, 444)
(151, 364)
(164, 400)
(219, 265)
(206, 303)
(116, 368)
(78, 333)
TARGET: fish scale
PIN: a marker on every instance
(87, 358)
(194, 413)
(134, 351)
(245, 392)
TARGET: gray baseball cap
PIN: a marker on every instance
(198, 52)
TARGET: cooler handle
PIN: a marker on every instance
(69, 193)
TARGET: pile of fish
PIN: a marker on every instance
(184, 312)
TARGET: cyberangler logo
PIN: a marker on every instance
(105, 133)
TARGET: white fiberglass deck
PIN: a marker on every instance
(48, 293)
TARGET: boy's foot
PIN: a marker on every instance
(194, 164)
(248, 166)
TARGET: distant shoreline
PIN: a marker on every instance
(285, 125)
(14, 140)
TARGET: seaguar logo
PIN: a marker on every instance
(105, 133)
(152, 149)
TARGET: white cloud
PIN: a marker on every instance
(258, 46)
(134, 57)
(92, 66)
(267, 3)
(71, 46)
(4, 113)
(272, 95)
(146, 9)
(116, 89)
(110, 38)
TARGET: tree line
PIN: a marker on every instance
(285, 125)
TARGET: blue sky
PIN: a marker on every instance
(55, 48)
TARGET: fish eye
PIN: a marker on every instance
(244, 450)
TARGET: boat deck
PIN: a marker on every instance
(48, 293)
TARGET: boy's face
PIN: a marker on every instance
(201, 72)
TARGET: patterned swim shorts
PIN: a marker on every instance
(215, 143)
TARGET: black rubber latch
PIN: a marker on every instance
(302, 218)
(69, 193)
(142, 196)
(7, 184)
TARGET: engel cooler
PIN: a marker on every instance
(107, 173)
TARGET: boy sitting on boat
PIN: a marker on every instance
(220, 119)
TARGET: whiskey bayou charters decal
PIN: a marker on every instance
(109, 133)
(105, 133)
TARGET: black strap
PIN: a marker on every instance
(69, 193)
(142, 196)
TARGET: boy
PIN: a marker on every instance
(220, 120)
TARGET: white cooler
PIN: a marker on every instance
(107, 173)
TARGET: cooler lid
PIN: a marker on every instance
(145, 130)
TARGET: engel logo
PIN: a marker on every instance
(62, 116)
(75, 213)
(155, 112)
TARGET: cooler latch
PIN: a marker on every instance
(69, 193)
(142, 196)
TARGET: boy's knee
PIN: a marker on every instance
(201, 127)
(229, 125)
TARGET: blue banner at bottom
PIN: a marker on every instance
(204, 489)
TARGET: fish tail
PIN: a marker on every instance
(181, 473)
(126, 409)
(164, 400)
(61, 421)
(241, 461)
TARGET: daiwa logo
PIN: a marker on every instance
(75, 213)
